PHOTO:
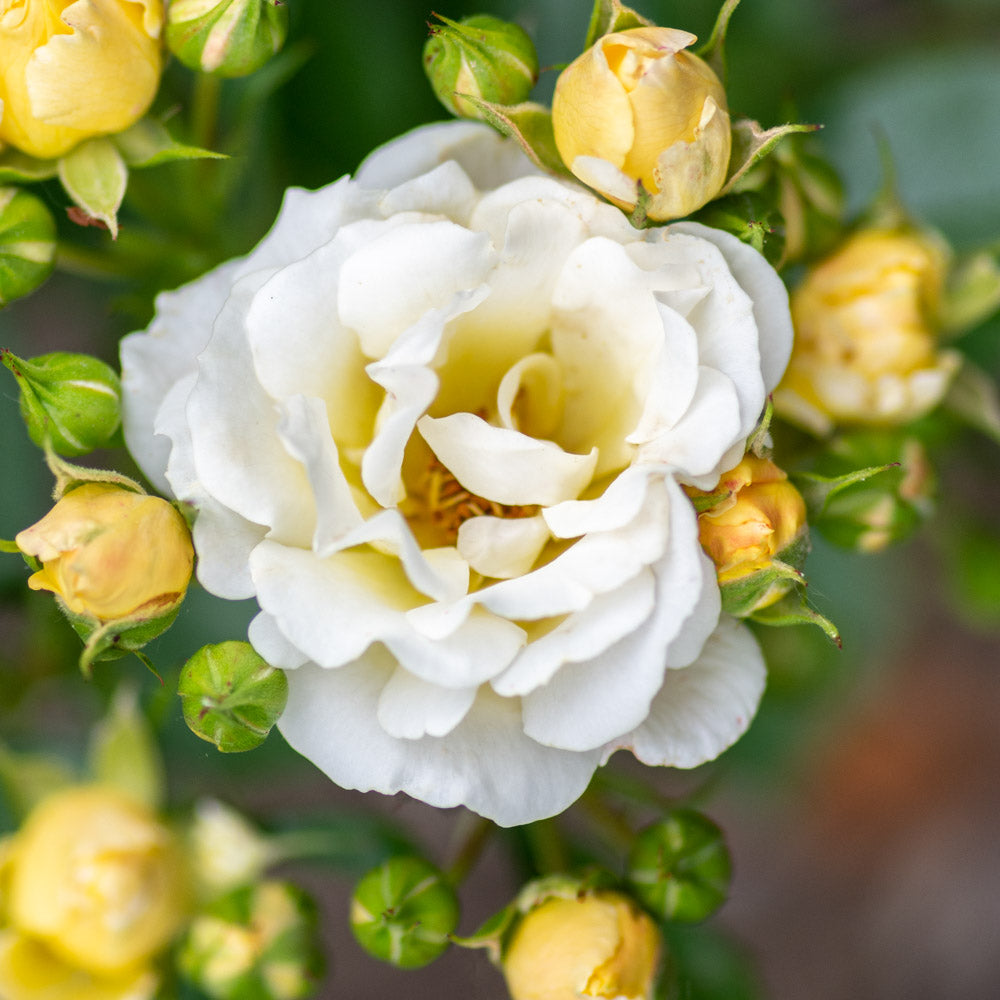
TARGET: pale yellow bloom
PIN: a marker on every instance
(111, 553)
(73, 69)
(866, 348)
(637, 108)
(95, 888)
(595, 945)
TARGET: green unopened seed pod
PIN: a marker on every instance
(27, 243)
(480, 56)
(256, 942)
(679, 868)
(226, 37)
(74, 400)
(403, 911)
(231, 696)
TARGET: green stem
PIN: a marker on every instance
(616, 830)
(472, 834)
(205, 110)
(548, 850)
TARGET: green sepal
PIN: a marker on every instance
(609, 16)
(751, 144)
(95, 176)
(148, 144)
(746, 594)
(818, 491)
(19, 168)
(123, 752)
(492, 934)
(529, 125)
(792, 609)
(973, 398)
(751, 218)
(9, 546)
(111, 640)
(27, 778)
(713, 51)
(68, 476)
(231, 696)
(972, 292)
(27, 243)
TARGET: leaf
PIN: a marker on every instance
(751, 144)
(793, 610)
(95, 177)
(817, 491)
(713, 51)
(973, 397)
(147, 144)
(528, 124)
(19, 168)
(609, 16)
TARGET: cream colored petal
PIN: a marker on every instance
(530, 396)
(409, 708)
(506, 466)
(502, 547)
(445, 190)
(271, 643)
(607, 179)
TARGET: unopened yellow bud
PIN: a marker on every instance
(96, 880)
(637, 109)
(597, 944)
(72, 70)
(109, 553)
(866, 348)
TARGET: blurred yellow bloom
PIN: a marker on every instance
(866, 349)
(762, 516)
(595, 945)
(111, 553)
(73, 69)
(637, 108)
(94, 889)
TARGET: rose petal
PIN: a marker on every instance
(271, 643)
(409, 707)
(502, 547)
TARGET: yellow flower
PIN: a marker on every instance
(866, 348)
(110, 553)
(761, 517)
(95, 888)
(595, 945)
(73, 69)
(635, 109)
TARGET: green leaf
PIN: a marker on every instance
(95, 177)
(147, 144)
(751, 144)
(528, 124)
(609, 16)
(713, 51)
(818, 491)
(19, 168)
(793, 610)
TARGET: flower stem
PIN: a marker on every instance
(548, 850)
(472, 833)
(205, 110)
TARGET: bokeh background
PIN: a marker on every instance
(863, 808)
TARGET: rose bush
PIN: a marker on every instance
(436, 423)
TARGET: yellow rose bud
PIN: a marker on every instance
(96, 881)
(635, 109)
(595, 945)
(866, 348)
(72, 70)
(110, 553)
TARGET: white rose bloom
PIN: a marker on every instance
(436, 423)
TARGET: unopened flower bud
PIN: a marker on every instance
(866, 347)
(479, 56)
(109, 554)
(403, 911)
(680, 867)
(71, 400)
(226, 37)
(637, 110)
(258, 941)
(231, 696)
(595, 944)
(227, 850)
(27, 243)
(753, 526)
(69, 72)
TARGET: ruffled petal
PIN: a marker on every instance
(409, 707)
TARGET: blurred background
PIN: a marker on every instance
(863, 808)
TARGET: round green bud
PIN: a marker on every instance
(231, 696)
(403, 911)
(480, 56)
(679, 868)
(27, 243)
(259, 942)
(226, 37)
(74, 400)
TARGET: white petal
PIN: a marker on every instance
(530, 396)
(704, 708)
(224, 541)
(614, 508)
(445, 190)
(486, 763)
(607, 178)
(504, 465)
(271, 644)
(502, 547)
(409, 707)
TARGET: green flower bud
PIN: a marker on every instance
(72, 399)
(479, 56)
(230, 696)
(403, 911)
(27, 243)
(226, 37)
(257, 942)
(679, 868)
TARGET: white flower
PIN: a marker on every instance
(436, 424)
